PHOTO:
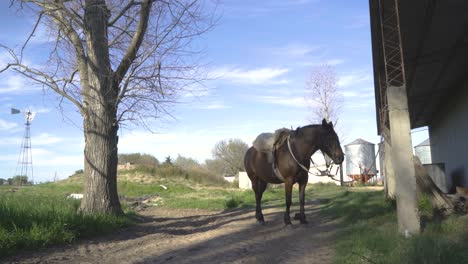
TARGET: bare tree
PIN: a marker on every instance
(323, 95)
(116, 61)
(230, 153)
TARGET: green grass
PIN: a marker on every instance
(369, 233)
(35, 217)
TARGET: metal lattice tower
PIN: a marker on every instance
(24, 166)
(392, 51)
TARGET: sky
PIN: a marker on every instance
(262, 53)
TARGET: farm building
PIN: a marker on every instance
(420, 63)
(431, 61)
(423, 151)
(126, 166)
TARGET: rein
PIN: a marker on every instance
(326, 172)
(323, 173)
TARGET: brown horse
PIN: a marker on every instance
(292, 164)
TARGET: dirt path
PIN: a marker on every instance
(201, 236)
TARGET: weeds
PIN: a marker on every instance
(31, 220)
(369, 232)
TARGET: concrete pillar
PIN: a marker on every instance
(388, 170)
(402, 160)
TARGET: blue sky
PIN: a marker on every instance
(262, 53)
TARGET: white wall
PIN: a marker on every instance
(449, 135)
(244, 181)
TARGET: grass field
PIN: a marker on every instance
(38, 216)
(369, 233)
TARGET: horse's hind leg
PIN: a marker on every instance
(259, 187)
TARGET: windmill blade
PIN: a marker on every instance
(30, 116)
(15, 111)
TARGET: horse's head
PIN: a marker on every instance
(330, 144)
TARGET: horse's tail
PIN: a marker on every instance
(248, 161)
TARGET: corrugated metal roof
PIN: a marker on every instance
(426, 142)
(360, 141)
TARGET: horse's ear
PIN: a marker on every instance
(324, 122)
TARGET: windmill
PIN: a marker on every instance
(24, 166)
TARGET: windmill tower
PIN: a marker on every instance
(24, 166)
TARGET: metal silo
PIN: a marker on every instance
(423, 152)
(360, 160)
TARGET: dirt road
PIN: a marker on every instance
(201, 236)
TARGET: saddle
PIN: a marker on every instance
(269, 142)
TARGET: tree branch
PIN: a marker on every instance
(46, 80)
(132, 50)
(121, 13)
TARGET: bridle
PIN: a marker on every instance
(326, 172)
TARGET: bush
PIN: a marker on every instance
(233, 202)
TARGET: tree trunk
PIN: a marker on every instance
(100, 184)
(99, 117)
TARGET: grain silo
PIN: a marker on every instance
(360, 160)
(423, 151)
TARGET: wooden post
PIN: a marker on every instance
(341, 175)
(402, 159)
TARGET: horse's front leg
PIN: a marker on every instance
(302, 186)
(288, 184)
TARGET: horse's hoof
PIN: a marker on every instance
(304, 222)
(261, 222)
(297, 216)
(288, 226)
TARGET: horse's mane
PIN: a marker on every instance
(299, 130)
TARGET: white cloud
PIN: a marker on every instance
(195, 144)
(332, 62)
(214, 105)
(354, 78)
(45, 139)
(361, 93)
(297, 101)
(9, 158)
(265, 75)
(294, 50)
(11, 84)
(44, 157)
(5, 125)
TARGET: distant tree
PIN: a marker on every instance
(168, 161)
(186, 163)
(323, 95)
(19, 180)
(117, 62)
(216, 166)
(231, 153)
